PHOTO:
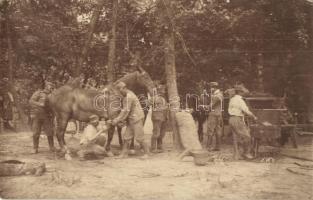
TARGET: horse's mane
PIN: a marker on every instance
(128, 78)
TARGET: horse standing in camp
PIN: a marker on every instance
(73, 102)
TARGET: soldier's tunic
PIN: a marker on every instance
(133, 113)
(159, 117)
(215, 119)
(40, 116)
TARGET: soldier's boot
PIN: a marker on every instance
(247, 150)
(51, 143)
(35, 143)
(124, 152)
(160, 145)
(145, 148)
(217, 143)
(153, 145)
(205, 141)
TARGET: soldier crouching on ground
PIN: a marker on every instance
(41, 117)
(93, 140)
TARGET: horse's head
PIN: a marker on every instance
(138, 78)
(145, 80)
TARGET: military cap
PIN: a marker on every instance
(213, 84)
(120, 85)
(93, 118)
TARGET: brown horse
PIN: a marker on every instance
(73, 102)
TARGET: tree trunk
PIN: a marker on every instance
(11, 70)
(310, 107)
(165, 16)
(112, 44)
(260, 69)
(170, 72)
(93, 22)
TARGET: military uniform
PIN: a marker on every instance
(215, 119)
(133, 113)
(159, 118)
(41, 118)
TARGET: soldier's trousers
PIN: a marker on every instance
(214, 125)
(92, 150)
(159, 128)
(39, 124)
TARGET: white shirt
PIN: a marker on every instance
(91, 132)
(238, 107)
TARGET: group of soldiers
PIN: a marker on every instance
(93, 139)
(237, 109)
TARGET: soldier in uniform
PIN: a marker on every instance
(159, 118)
(41, 117)
(215, 118)
(132, 112)
(93, 139)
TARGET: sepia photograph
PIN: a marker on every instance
(156, 99)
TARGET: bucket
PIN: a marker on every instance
(200, 157)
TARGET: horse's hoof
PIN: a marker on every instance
(268, 160)
(144, 157)
(121, 156)
(68, 157)
(132, 152)
(110, 154)
(34, 151)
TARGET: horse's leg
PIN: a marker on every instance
(62, 120)
(120, 139)
(110, 137)
(200, 130)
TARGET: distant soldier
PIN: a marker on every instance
(286, 118)
(41, 117)
(215, 119)
(7, 104)
(159, 118)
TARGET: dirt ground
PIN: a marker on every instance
(160, 177)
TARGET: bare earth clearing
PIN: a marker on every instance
(160, 177)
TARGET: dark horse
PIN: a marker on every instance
(73, 102)
(199, 105)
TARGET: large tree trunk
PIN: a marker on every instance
(170, 72)
(165, 15)
(11, 70)
(112, 44)
(93, 22)
(310, 107)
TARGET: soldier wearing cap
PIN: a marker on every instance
(215, 119)
(93, 140)
(41, 117)
(159, 118)
(132, 112)
(241, 135)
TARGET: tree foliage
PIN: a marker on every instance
(216, 40)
